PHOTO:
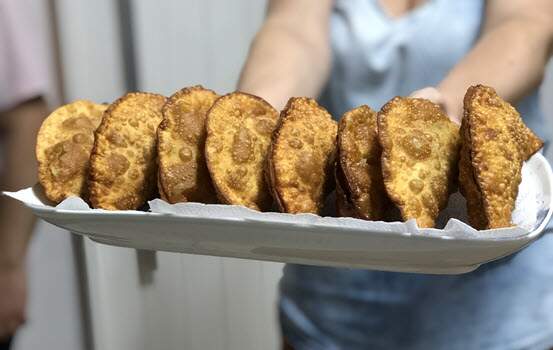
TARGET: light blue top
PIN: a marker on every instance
(503, 305)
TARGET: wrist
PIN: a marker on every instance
(451, 103)
(274, 98)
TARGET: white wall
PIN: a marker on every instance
(54, 319)
(90, 50)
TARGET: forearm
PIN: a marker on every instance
(286, 61)
(19, 170)
(511, 58)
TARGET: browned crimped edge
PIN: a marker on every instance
(343, 188)
(386, 145)
(105, 119)
(341, 160)
(160, 189)
(220, 194)
(470, 94)
(270, 169)
(163, 126)
(344, 203)
(270, 176)
(42, 162)
(471, 91)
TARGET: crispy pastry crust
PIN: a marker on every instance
(239, 128)
(63, 148)
(420, 149)
(495, 145)
(183, 175)
(467, 183)
(359, 153)
(301, 157)
(123, 167)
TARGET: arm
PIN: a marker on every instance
(19, 126)
(290, 55)
(510, 55)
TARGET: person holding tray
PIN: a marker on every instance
(23, 82)
(354, 52)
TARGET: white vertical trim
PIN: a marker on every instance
(92, 68)
(90, 49)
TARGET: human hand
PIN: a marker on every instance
(13, 299)
(434, 95)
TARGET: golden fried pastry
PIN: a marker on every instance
(358, 153)
(239, 128)
(495, 143)
(302, 155)
(420, 151)
(123, 165)
(63, 148)
(183, 174)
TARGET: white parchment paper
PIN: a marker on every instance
(533, 208)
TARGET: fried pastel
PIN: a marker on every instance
(495, 144)
(358, 153)
(239, 128)
(183, 174)
(420, 151)
(63, 147)
(123, 165)
(302, 155)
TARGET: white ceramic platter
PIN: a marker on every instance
(304, 239)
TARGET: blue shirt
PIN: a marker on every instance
(507, 304)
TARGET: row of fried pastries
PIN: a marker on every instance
(236, 149)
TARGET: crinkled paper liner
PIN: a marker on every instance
(532, 210)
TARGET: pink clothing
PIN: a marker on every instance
(23, 72)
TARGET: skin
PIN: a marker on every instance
(294, 43)
(20, 126)
(514, 69)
